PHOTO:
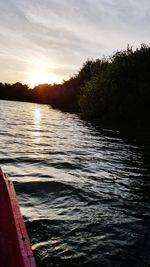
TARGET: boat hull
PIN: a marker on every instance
(15, 249)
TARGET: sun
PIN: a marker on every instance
(40, 77)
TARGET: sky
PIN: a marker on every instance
(49, 40)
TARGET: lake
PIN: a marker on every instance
(84, 193)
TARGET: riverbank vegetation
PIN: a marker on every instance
(112, 91)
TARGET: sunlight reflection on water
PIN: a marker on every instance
(37, 116)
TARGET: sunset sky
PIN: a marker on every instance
(48, 40)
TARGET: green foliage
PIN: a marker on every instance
(120, 93)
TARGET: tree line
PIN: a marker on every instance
(112, 91)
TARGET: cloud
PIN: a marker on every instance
(63, 33)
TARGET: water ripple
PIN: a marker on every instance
(84, 192)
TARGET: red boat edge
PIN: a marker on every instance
(15, 248)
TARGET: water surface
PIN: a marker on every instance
(84, 193)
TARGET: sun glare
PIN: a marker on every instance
(38, 77)
(41, 71)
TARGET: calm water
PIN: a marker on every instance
(85, 194)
